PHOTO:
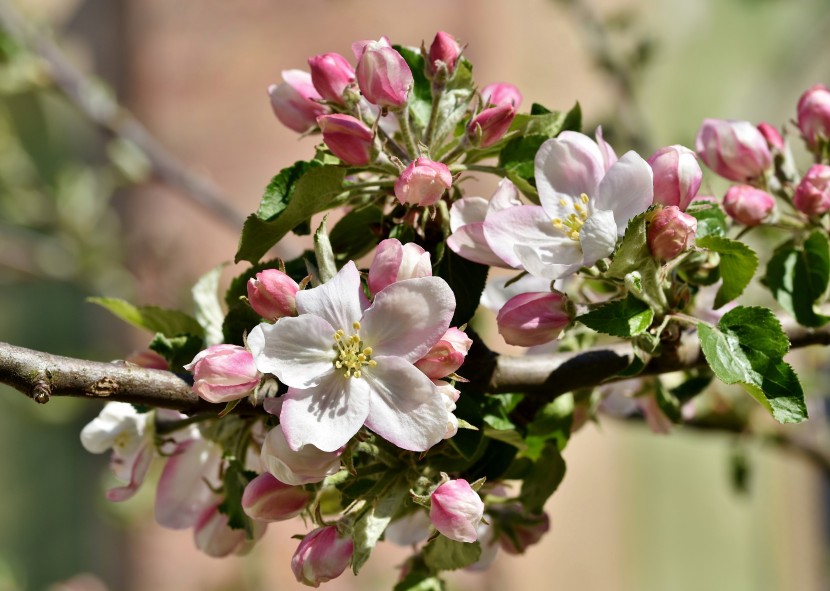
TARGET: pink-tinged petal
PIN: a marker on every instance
(406, 408)
(470, 242)
(295, 467)
(138, 472)
(627, 189)
(327, 415)
(182, 493)
(609, 157)
(527, 225)
(555, 261)
(598, 237)
(407, 318)
(568, 165)
(296, 350)
(469, 210)
(385, 266)
(507, 195)
(340, 301)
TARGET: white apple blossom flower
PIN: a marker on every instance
(348, 364)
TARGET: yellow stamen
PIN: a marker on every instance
(351, 354)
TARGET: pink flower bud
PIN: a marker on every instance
(148, 359)
(267, 499)
(500, 93)
(273, 294)
(812, 196)
(814, 115)
(331, 74)
(214, 536)
(222, 373)
(383, 75)
(423, 182)
(774, 138)
(535, 318)
(295, 101)
(322, 555)
(735, 150)
(306, 465)
(456, 510)
(395, 262)
(444, 50)
(671, 232)
(748, 205)
(677, 176)
(518, 529)
(491, 124)
(348, 138)
(446, 356)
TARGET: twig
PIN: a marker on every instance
(104, 111)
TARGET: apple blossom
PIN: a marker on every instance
(331, 75)
(272, 294)
(490, 125)
(383, 75)
(748, 205)
(322, 555)
(187, 483)
(213, 536)
(444, 50)
(812, 195)
(423, 182)
(348, 138)
(677, 176)
(500, 93)
(446, 356)
(268, 499)
(671, 232)
(456, 510)
(222, 373)
(531, 319)
(305, 465)
(584, 208)
(735, 150)
(814, 115)
(348, 364)
(395, 262)
(294, 101)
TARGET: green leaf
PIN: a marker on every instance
(467, 280)
(711, 221)
(738, 264)
(168, 322)
(209, 313)
(418, 581)
(798, 276)
(371, 525)
(356, 233)
(235, 480)
(633, 262)
(278, 192)
(552, 422)
(747, 348)
(543, 479)
(620, 318)
(420, 99)
(443, 553)
(312, 192)
(178, 351)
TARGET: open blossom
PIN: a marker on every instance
(187, 483)
(303, 466)
(222, 373)
(585, 208)
(322, 555)
(456, 510)
(294, 101)
(395, 262)
(130, 436)
(348, 364)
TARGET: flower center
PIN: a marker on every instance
(573, 223)
(351, 354)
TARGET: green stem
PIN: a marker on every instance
(364, 185)
(497, 170)
(406, 133)
(437, 93)
(392, 145)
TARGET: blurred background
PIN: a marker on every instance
(85, 211)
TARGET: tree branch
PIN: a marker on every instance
(98, 105)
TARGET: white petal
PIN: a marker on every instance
(598, 237)
(627, 189)
(340, 300)
(469, 210)
(405, 408)
(565, 167)
(507, 195)
(182, 494)
(299, 351)
(556, 260)
(327, 415)
(527, 225)
(469, 242)
(408, 317)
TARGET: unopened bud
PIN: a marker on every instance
(735, 150)
(294, 101)
(395, 262)
(348, 138)
(671, 232)
(273, 294)
(423, 182)
(267, 499)
(677, 176)
(748, 205)
(322, 555)
(812, 196)
(222, 373)
(775, 140)
(814, 115)
(535, 318)
(447, 355)
(456, 510)
(444, 50)
(331, 74)
(383, 75)
(490, 125)
(500, 93)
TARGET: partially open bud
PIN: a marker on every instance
(812, 196)
(423, 182)
(294, 102)
(222, 373)
(456, 510)
(444, 50)
(306, 465)
(331, 74)
(535, 318)
(447, 355)
(490, 125)
(671, 232)
(748, 205)
(500, 93)
(348, 138)
(322, 555)
(735, 150)
(214, 536)
(814, 115)
(677, 176)
(383, 75)
(775, 140)
(267, 499)
(273, 294)
(395, 262)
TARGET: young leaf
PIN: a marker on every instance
(235, 481)
(620, 318)
(443, 553)
(711, 221)
(544, 478)
(356, 233)
(278, 192)
(370, 526)
(633, 259)
(168, 322)
(738, 264)
(178, 351)
(419, 581)
(311, 193)
(798, 277)
(747, 348)
(208, 309)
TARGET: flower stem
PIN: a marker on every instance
(437, 94)
(406, 132)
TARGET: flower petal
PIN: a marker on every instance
(299, 351)
(327, 415)
(182, 494)
(405, 407)
(557, 260)
(627, 189)
(567, 166)
(598, 237)
(470, 242)
(469, 210)
(139, 465)
(527, 225)
(340, 301)
(408, 317)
